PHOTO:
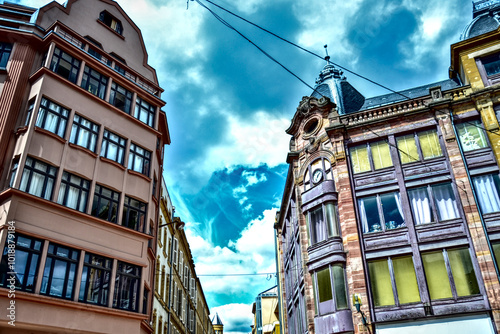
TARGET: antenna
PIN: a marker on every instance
(327, 58)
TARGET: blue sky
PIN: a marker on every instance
(228, 107)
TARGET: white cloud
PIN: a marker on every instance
(234, 314)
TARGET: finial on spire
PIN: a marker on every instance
(327, 58)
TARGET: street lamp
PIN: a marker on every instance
(179, 224)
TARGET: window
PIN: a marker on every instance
(113, 147)
(139, 159)
(13, 171)
(38, 178)
(487, 188)
(126, 294)
(84, 133)
(330, 289)
(111, 22)
(420, 146)
(162, 283)
(120, 97)
(59, 273)
(52, 117)
(322, 223)
(443, 204)
(381, 212)
(65, 65)
(105, 205)
(134, 214)
(31, 106)
(94, 82)
(496, 252)
(73, 192)
(370, 156)
(450, 274)
(96, 277)
(472, 136)
(393, 281)
(27, 260)
(5, 50)
(144, 112)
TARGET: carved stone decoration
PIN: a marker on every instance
(313, 145)
(309, 105)
(488, 114)
(436, 92)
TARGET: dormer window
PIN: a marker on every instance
(111, 22)
(489, 68)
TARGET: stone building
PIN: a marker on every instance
(266, 312)
(390, 218)
(81, 150)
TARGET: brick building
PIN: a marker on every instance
(390, 218)
(81, 150)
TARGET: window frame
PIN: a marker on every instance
(5, 52)
(418, 144)
(144, 165)
(59, 113)
(370, 157)
(120, 143)
(492, 191)
(140, 223)
(474, 123)
(49, 175)
(124, 275)
(82, 188)
(102, 271)
(482, 62)
(327, 226)
(111, 22)
(384, 227)
(79, 130)
(74, 65)
(53, 255)
(93, 79)
(144, 108)
(332, 306)
(113, 203)
(126, 94)
(434, 207)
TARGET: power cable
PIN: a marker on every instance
(227, 275)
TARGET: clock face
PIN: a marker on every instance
(317, 175)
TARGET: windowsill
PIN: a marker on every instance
(389, 231)
(133, 172)
(50, 134)
(109, 28)
(83, 149)
(112, 162)
(21, 130)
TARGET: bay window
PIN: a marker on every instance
(94, 82)
(450, 273)
(84, 133)
(38, 178)
(52, 117)
(65, 65)
(419, 146)
(370, 156)
(433, 202)
(73, 192)
(381, 212)
(144, 111)
(60, 271)
(96, 277)
(126, 294)
(393, 281)
(487, 188)
(322, 222)
(472, 136)
(139, 159)
(134, 214)
(105, 204)
(330, 289)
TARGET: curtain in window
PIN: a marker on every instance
(397, 198)
(487, 192)
(429, 143)
(463, 272)
(419, 200)
(406, 280)
(436, 275)
(381, 155)
(445, 202)
(359, 159)
(380, 283)
(36, 185)
(407, 149)
(370, 218)
(317, 225)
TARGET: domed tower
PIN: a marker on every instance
(218, 325)
(485, 18)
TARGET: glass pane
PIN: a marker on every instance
(463, 272)
(359, 159)
(370, 218)
(406, 280)
(436, 275)
(393, 212)
(407, 149)
(420, 205)
(429, 143)
(331, 220)
(381, 155)
(487, 189)
(340, 290)
(496, 251)
(472, 135)
(317, 226)
(380, 283)
(324, 285)
(445, 201)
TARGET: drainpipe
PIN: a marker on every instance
(278, 279)
(171, 272)
(483, 224)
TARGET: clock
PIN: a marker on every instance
(317, 176)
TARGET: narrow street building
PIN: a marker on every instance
(390, 218)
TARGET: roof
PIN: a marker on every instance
(486, 18)
(411, 93)
(216, 320)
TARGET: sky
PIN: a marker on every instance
(228, 107)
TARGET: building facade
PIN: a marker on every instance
(266, 312)
(390, 218)
(179, 304)
(81, 147)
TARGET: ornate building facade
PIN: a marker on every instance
(81, 150)
(390, 219)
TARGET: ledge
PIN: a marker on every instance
(133, 172)
(112, 162)
(83, 149)
(50, 134)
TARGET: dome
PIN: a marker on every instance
(486, 18)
